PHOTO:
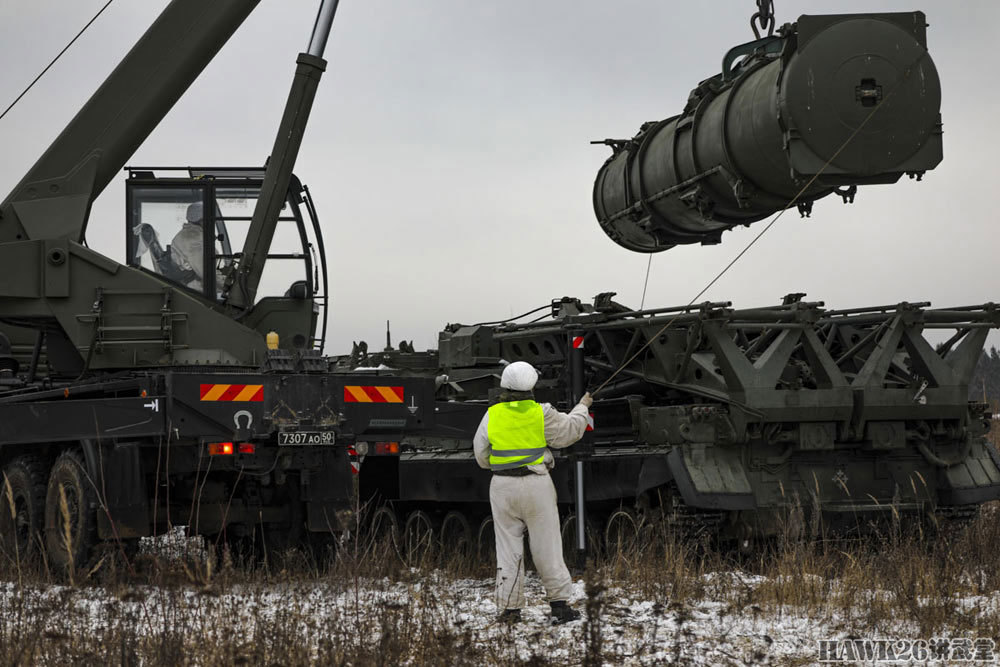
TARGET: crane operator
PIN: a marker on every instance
(187, 250)
(514, 441)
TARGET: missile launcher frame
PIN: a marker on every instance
(721, 417)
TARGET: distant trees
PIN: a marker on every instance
(986, 375)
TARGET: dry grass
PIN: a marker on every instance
(363, 606)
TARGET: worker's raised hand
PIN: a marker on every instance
(587, 400)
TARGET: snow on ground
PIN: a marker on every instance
(713, 624)
(633, 630)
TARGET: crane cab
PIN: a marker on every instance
(185, 225)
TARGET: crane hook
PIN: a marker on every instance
(763, 18)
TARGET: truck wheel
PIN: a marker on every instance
(70, 520)
(21, 529)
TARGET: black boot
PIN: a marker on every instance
(510, 616)
(562, 612)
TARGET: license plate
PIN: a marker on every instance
(306, 438)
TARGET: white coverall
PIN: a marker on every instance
(530, 502)
(187, 250)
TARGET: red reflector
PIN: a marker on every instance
(387, 448)
(220, 448)
(247, 448)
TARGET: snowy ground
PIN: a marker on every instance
(433, 617)
(632, 630)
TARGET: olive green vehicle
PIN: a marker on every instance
(165, 390)
(743, 422)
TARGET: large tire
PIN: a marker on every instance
(69, 474)
(20, 534)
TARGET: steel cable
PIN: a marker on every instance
(59, 55)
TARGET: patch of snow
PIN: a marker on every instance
(634, 628)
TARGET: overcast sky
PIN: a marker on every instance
(448, 150)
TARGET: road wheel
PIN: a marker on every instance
(569, 539)
(486, 541)
(21, 529)
(418, 537)
(70, 516)
(456, 535)
(383, 529)
(621, 534)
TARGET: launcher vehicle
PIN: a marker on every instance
(718, 419)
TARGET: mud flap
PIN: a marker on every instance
(711, 477)
(120, 486)
(328, 492)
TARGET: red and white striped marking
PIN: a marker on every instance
(577, 342)
(355, 459)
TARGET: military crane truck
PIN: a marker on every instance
(161, 391)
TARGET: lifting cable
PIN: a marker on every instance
(511, 319)
(794, 200)
(645, 283)
(59, 55)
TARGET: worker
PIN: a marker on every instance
(187, 250)
(514, 441)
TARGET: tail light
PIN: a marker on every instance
(387, 448)
(220, 448)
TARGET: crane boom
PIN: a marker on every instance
(242, 287)
(53, 199)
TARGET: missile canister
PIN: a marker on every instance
(847, 100)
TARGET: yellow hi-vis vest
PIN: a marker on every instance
(516, 431)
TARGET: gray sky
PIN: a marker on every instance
(448, 150)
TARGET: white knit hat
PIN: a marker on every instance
(519, 376)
